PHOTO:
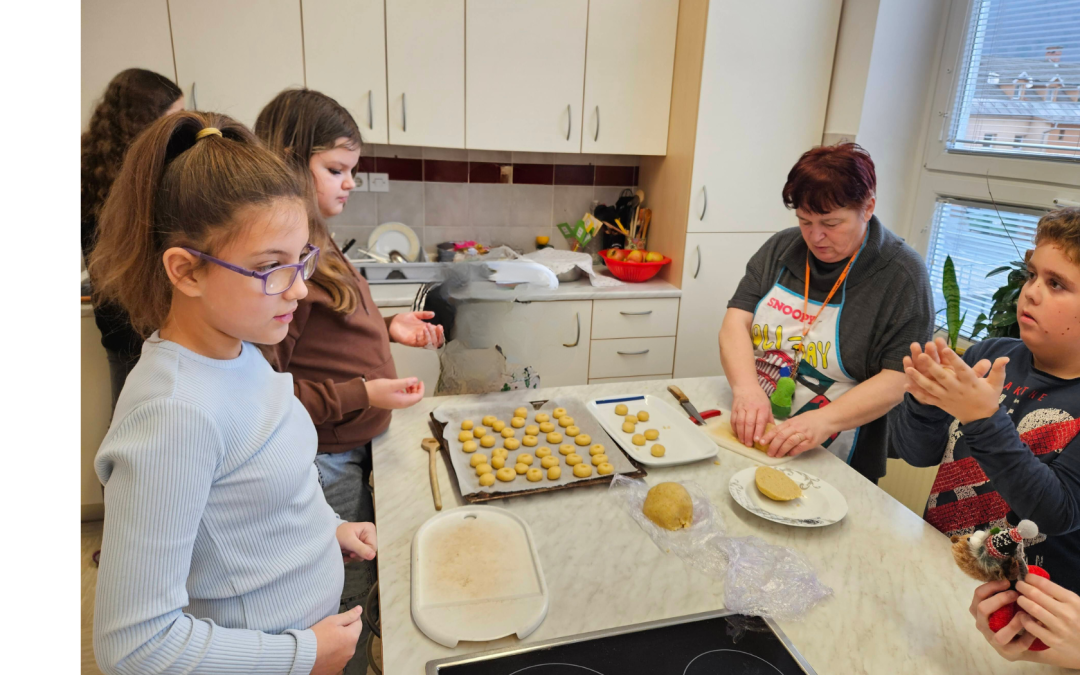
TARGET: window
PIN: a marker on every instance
(979, 238)
(1016, 55)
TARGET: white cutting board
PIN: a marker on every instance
(683, 440)
(476, 576)
(719, 430)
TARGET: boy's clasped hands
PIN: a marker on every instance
(937, 376)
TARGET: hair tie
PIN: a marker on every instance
(208, 131)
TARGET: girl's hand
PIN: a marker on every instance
(357, 541)
(410, 329)
(1052, 614)
(989, 598)
(750, 412)
(798, 434)
(966, 393)
(335, 641)
(394, 394)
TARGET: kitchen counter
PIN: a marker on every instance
(900, 604)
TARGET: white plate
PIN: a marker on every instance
(395, 237)
(681, 438)
(820, 505)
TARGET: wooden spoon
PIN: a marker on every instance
(432, 446)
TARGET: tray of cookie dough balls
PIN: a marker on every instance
(651, 431)
(512, 445)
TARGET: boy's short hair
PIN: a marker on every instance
(1061, 227)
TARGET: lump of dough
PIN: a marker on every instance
(479, 432)
(566, 449)
(643, 416)
(499, 452)
(470, 446)
(775, 484)
(549, 461)
(554, 437)
(465, 436)
(621, 409)
(630, 419)
(543, 452)
(521, 412)
(604, 469)
(506, 474)
(658, 450)
(532, 430)
(566, 421)
(558, 412)
(572, 431)
(628, 428)
(573, 459)
(498, 462)
(477, 459)
(669, 505)
(596, 449)
(651, 434)
(529, 441)
(597, 460)
(482, 469)
(507, 432)
(517, 422)
(534, 475)
(487, 480)
(498, 426)
(487, 442)
(520, 469)
(488, 420)
(547, 428)
(525, 458)
(554, 473)
(638, 439)
(582, 470)
(512, 443)
(582, 439)
(467, 425)
(543, 417)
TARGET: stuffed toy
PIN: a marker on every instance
(781, 397)
(993, 555)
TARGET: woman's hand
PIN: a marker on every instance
(798, 434)
(394, 394)
(335, 641)
(750, 412)
(411, 329)
(357, 541)
(988, 599)
(1052, 614)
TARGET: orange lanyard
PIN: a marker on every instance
(806, 291)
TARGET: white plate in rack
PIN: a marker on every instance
(683, 441)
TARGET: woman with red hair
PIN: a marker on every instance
(833, 304)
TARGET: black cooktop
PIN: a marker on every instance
(702, 644)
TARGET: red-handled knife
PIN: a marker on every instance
(686, 404)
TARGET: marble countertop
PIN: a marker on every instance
(900, 604)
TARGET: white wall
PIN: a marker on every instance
(851, 65)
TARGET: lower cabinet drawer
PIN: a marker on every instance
(631, 356)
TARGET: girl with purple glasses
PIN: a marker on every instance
(219, 551)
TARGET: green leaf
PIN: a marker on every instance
(951, 291)
(999, 270)
(1006, 319)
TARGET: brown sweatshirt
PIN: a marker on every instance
(329, 355)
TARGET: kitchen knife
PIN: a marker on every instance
(686, 404)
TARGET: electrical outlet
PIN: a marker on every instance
(379, 182)
(361, 180)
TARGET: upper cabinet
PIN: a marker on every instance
(345, 58)
(628, 70)
(234, 56)
(525, 71)
(122, 34)
(425, 72)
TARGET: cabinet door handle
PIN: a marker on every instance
(403, 119)
(569, 123)
(596, 136)
(698, 268)
(577, 338)
(705, 204)
(370, 111)
(643, 351)
(645, 313)
(194, 97)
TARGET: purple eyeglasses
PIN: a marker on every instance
(278, 279)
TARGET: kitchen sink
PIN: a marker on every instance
(401, 273)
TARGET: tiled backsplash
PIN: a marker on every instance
(454, 195)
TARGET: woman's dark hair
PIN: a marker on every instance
(831, 177)
(133, 99)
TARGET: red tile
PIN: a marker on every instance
(485, 172)
(573, 174)
(615, 175)
(637, 176)
(534, 174)
(366, 165)
(443, 171)
(397, 168)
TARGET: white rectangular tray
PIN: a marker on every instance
(683, 441)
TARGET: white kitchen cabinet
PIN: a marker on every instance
(525, 71)
(715, 263)
(425, 72)
(628, 71)
(762, 104)
(233, 56)
(121, 34)
(414, 362)
(627, 357)
(345, 58)
(636, 317)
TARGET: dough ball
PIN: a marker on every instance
(529, 441)
(498, 426)
(638, 439)
(554, 473)
(521, 412)
(651, 434)
(631, 419)
(554, 437)
(582, 439)
(658, 450)
(566, 449)
(520, 469)
(669, 506)
(597, 460)
(507, 432)
(465, 436)
(543, 452)
(621, 409)
(532, 430)
(547, 428)
(479, 432)
(566, 421)
(776, 485)
(512, 443)
(498, 462)
(482, 469)
(596, 449)
(506, 474)
(487, 442)
(517, 422)
(643, 416)
(487, 480)
(582, 470)
(558, 412)
(470, 446)
(525, 458)
(572, 431)
(573, 459)
(543, 417)
(628, 428)
(763, 447)
(604, 469)
(477, 459)
(549, 461)
(488, 420)
(499, 452)
(467, 425)
(534, 475)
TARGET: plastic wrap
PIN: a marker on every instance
(760, 579)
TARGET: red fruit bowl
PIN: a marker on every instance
(633, 271)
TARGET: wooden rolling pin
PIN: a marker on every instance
(432, 447)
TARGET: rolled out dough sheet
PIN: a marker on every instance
(719, 430)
